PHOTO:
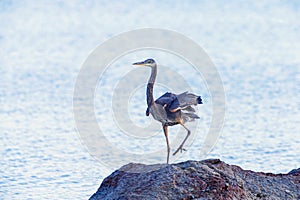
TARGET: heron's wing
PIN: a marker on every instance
(183, 101)
(186, 100)
(168, 100)
(165, 98)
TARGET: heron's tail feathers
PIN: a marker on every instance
(187, 117)
(189, 109)
(192, 115)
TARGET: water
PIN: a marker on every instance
(43, 46)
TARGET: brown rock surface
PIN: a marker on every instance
(207, 179)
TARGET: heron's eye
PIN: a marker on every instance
(149, 61)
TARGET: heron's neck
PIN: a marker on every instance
(150, 98)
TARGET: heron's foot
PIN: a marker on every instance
(180, 148)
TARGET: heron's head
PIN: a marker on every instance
(149, 63)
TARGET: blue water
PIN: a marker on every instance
(255, 49)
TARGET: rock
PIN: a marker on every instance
(207, 179)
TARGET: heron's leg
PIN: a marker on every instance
(181, 145)
(167, 140)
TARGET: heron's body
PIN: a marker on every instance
(170, 109)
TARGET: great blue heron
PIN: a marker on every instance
(170, 109)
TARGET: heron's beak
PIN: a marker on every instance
(139, 63)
